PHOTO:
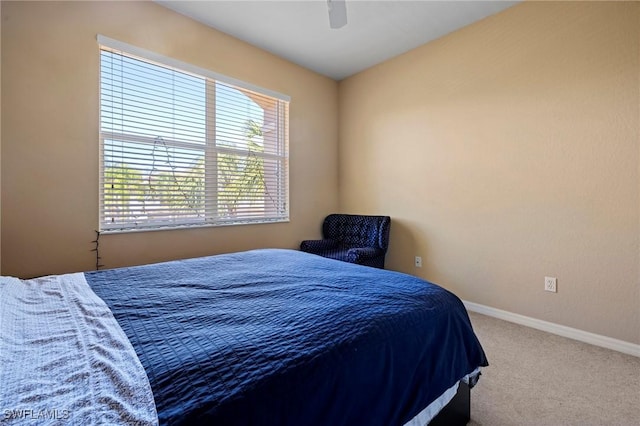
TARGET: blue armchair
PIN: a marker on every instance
(352, 238)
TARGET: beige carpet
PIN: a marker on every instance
(536, 378)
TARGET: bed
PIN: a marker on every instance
(263, 337)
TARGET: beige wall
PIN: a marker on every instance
(50, 135)
(0, 136)
(507, 151)
(504, 152)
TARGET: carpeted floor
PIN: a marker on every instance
(536, 378)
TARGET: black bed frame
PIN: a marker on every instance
(458, 411)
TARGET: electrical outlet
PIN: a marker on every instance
(418, 262)
(551, 284)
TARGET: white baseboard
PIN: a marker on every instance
(561, 330)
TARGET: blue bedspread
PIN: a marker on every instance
(280, 337)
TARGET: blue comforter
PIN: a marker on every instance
(280, 337)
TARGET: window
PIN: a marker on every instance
(181, 146)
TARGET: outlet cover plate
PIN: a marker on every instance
(551, 284)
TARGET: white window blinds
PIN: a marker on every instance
(182, 146)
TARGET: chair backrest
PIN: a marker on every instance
(358, 230)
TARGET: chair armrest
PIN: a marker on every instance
(356, 254)
(318, 246)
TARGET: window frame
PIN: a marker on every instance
(279, 159)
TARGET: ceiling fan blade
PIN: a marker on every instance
(337, 13)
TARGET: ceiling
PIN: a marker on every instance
(299, 30)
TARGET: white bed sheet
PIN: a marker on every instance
(432, 410)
